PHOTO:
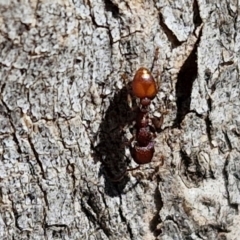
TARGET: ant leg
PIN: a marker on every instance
(161, 160)
(127, 143)
(155, 58)
(118, 179)
(124, 173)
(132, 169)
(157, 123)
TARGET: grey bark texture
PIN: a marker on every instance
(67, 118)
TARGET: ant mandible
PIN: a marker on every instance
(144, 87)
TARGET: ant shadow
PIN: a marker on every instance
(111, 147)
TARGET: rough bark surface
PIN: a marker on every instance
(66, 119)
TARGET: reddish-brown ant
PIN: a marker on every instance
(144, 87)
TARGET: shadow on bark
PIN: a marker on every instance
(186, 77)
(156, 220)
(188, 73)
(111, 148)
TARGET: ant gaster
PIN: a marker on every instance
(144, 87)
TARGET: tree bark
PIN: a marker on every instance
(67, 119)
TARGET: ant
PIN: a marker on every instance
(144, 87)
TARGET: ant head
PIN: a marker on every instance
(144, 85)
